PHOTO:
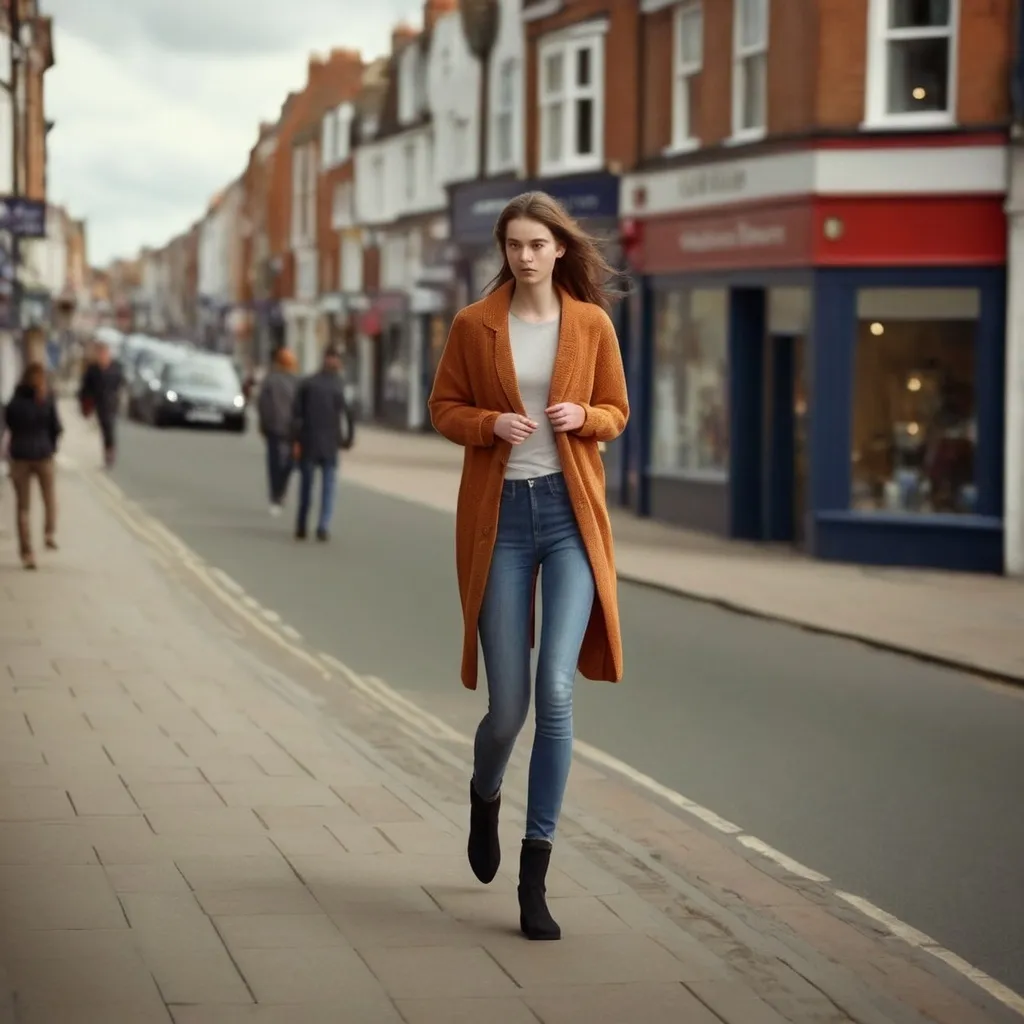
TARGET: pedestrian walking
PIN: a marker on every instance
(530, 382)
(100, 392)
(275, 405)
(319, 421)
(34, 425)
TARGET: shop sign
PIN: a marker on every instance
(475, 206)
(23, 217)
(778, 237)
(753, 179)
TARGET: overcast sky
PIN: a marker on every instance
(157, 102)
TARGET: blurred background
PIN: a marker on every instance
(810, 202)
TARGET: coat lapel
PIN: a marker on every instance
(496, 318)
(568, 347)
(496, 309)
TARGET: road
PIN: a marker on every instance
(902, 782)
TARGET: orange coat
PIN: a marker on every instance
(475, 383)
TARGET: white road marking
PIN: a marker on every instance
(794, 867)
(599, 757)
(270, 616)
(387, 698)
(291, 632)
(898, 928)
(927, 944)
(230, 585)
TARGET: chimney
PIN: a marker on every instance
(315, 69)
(434, 10)
(402, 35)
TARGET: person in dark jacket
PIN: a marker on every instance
(319, 415)
(35, 428)
(275, 404)
(101, 391)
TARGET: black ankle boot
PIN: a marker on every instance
(535, 919)
(484, 848)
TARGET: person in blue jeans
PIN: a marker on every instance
(318, 420)
(530, 383)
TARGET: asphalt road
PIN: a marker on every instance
(902, 782)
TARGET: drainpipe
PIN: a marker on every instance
(1013, 508)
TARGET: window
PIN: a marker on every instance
(750, 69)
(688, 59)
(505, 115)
(329, 139)
(690, 412)
(380, 185)
(304, 178)
(572, 102)
(914, 426)
(343, 209)
(351, 264)
(911, 61)
(410, 171)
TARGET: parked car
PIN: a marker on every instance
(143, 369)
(198, 389)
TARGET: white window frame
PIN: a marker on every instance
(683, 137)
(741, 54)
(505, 117)
(343, 205)
(569, 42)
(876, 98)
(410, 169)
(350, 263)
(304, 182)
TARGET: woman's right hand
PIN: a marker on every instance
(512, 427)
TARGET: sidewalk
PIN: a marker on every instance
(973, 622)
(195, 829)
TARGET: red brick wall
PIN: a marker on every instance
(622, 42)
(817, 68)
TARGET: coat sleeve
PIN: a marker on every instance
(298, 411)
(606, 413)
(452, 410)
(56, 426)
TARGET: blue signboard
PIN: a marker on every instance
(23, 217)
(475, 206)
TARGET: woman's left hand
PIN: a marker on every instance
(566, 416)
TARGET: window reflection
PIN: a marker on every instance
(690, 428)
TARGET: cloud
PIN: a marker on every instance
(157, 103)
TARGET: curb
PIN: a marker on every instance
(890, 646)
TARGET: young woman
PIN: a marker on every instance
(35, 428)
(530, 382)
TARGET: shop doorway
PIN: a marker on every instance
(784, 455)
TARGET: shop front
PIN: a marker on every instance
(384, 324)
(821, 369)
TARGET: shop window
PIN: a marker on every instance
(690, 416)
(911, 61)
(914, 427)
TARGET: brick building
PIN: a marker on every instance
(293, 196)
(817, 233)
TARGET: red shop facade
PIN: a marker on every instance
(815, 350)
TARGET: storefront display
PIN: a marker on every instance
(823, 356)
(690, 427)
(914, 429)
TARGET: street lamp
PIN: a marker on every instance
(480, 20)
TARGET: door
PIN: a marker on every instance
(784, 450)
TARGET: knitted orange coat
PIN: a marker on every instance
(475, 383)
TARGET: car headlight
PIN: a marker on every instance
(239, 401)
(172, 396)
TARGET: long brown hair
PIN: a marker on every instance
(582, 271)
(34, 377)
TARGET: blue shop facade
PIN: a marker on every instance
(821, 371)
